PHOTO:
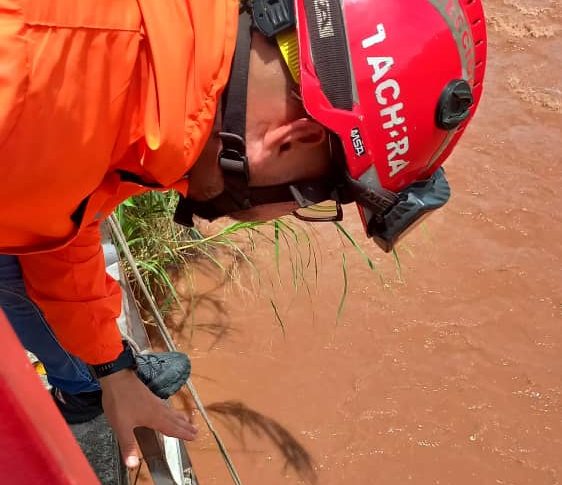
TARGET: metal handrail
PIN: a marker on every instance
(170, 345)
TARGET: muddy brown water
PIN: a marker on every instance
(448, 374)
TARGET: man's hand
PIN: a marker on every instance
(128, 404)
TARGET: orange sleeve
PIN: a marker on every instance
(80, 300)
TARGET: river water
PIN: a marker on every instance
(449, 372)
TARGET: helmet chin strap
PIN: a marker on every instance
(233, 161)
(270, 18)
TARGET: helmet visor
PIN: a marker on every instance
(414, 204)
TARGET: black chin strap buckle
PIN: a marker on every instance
(232, 158)
(273, 16)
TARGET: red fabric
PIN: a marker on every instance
(37, 446)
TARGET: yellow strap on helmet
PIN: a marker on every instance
(289, 46)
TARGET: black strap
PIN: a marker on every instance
(232, 158)
(240, 198)
(377, 200)
(237, 194)
(235, 95)
(230, 201)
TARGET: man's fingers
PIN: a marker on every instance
(186, 427)
(128, 404)
(173, 423)
(128, 446)
(179, 429)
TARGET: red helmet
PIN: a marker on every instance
(394, 81)
(383, 75)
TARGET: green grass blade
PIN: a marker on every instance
(278, 318)
(276, 246)
(356, 245)
(344, 290)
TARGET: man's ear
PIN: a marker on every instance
(302, 134)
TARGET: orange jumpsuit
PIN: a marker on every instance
(90, 89)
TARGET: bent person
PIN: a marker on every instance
(248, 109)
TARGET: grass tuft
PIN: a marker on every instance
(163, 248)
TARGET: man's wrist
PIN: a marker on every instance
(125, 360)
(117, 379)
